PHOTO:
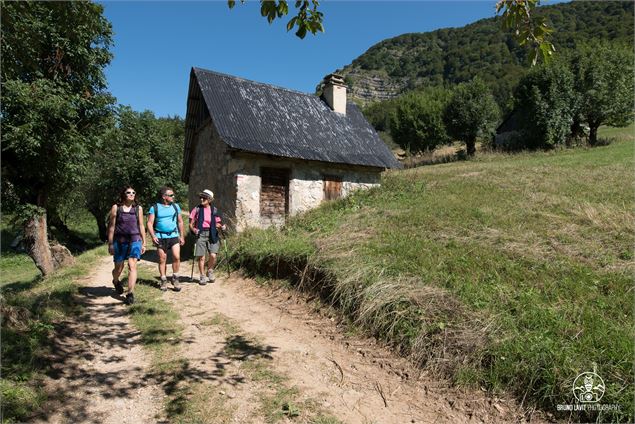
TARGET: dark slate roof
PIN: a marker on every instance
(262, 118)
(510, 123)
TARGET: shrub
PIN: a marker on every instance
(546, 101)
(417, 122)
(471, 113)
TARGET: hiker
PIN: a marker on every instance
(207, 239)
(165, 225)
(126, 239)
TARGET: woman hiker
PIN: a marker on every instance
(207, 240)
(126, 239)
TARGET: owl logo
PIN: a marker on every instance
(588, 387)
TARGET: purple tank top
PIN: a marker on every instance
(127, 227)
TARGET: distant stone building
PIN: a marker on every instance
(508, 134)
(269, 152)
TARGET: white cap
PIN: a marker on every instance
(207, 193)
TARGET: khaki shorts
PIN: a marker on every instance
(204, 245)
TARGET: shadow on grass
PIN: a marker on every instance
(20, 286)
(236, 348)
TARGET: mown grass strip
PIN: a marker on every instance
(186, 400)
(278, 400)
(510, 271)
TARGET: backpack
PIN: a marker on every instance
(156, 214)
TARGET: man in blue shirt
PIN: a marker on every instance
(165, 225)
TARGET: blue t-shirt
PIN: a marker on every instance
(165, 222)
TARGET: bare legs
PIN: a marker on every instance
(132, 272)
(176, 260)
(211, 263)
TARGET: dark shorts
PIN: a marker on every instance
(166, 244)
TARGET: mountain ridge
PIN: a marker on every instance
(452, 55)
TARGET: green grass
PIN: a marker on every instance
(512, 272)
(187, 399)
(31, 309)
(17, 266)
(277, 399)
(161, 333)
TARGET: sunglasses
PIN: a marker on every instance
(170, 195)
(130, 192)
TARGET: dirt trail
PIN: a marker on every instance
(241, 340)
(99, 372)
(353, 379)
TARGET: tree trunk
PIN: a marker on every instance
(101, 224)
(471, 147)
(37, 244)
(593, 134)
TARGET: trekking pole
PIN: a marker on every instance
(226, 252)
(193, 259)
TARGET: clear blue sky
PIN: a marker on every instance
(156, 43)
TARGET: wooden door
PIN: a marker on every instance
(274, 195)
(332, 187)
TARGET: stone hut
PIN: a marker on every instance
(269, 152)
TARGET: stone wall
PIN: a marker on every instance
(306, 185)
(211, 169)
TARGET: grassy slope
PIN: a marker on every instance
(508, 271)
(31, 308)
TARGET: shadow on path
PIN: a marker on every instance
(94, 358)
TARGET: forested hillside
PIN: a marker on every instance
(483, 49)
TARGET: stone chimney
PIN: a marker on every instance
(334, 93)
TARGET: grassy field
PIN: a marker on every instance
(31, 308)
(512, 272)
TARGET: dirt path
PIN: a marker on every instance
(253, 355)
(350, 378)
(99, 372)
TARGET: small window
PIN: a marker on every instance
(332, 187)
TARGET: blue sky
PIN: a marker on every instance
(156, 43)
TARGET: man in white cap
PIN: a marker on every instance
(205, 221)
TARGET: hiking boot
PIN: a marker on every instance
(175, 283)
(203, 280)
(210, 275)
(164, 284)
(129, 299)
(118, 286)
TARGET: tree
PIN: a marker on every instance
(546, 102)
(307, 19)
(378, 113)
(604, 82)
(471, 113)
(417, 122)
(528, 29)
(139, 150)
(53, 106)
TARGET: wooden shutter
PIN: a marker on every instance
(274, 195)
(332, 187)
